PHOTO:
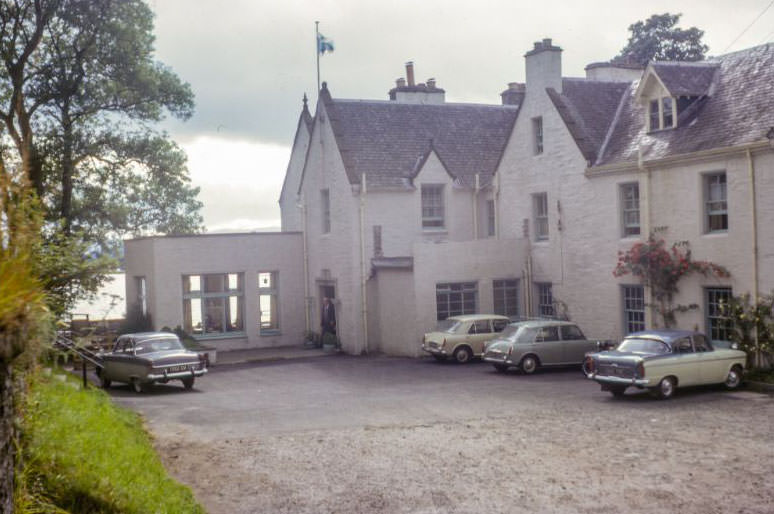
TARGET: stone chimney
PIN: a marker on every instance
(614, 71)
(544, 67)
(407, 91)
(401, 82)
(514, 95)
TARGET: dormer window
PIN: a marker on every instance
(661, 114)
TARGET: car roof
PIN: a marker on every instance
(144, 336)
(476, 317)
(667, 335)
(542, 323)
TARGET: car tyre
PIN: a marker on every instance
(138, 386)
(618, 392)
(529, 364)
(188, 383)
(463, 355)
(666, 388)
(501, 368)
(439, 358)
(734, 378)
(104, 381)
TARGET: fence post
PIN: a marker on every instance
(83, 367)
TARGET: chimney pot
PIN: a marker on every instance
(547, 42)
(538, 45)
(401, 82)
(431, 83)
(410, 73)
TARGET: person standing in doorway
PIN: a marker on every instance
(327, 318)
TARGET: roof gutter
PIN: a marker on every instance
(633, 166)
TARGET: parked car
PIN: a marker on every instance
(663, 360)
(145, 358)
(528, 345)
(463, 337)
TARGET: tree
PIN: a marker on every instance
(658, 39)
(79, 92)
(661, 270)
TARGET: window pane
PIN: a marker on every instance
(265, 280)
(432, 206)
(666, 104)
(215, 315)
(213, 283)
(634, 308)
(654, 115)
(192, 284)
(455, 298)
(717, 323)
(235, 319)
(716, 206)
(192, 315)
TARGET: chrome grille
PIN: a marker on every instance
(615, 370)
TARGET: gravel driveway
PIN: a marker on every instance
(373, 435)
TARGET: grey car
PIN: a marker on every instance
(528, 345)
(145, 358)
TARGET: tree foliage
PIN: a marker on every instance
(751, 326)
(80, 91)
(661, 269)
(659, 39)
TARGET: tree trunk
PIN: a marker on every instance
(67, 169)
(7, 435)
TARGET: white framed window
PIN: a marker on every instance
(456, 298)
(540, 215)
(213, 304)
(432, 206)
(537, 135)
(545, 299)
(325, 210)
(506, 296)
(715, 202)
(661, 113)
(633, 308)
(268, 302)
(630, 209)
(715, 320)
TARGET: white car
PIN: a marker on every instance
(463, 337)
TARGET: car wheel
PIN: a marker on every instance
(666, 388)
(529, 364)
(138, 386)
(734, 378)
(617, 392)
(501, 368)
(462, 354)
(104, 381)
(188, 383)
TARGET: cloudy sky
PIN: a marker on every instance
(250, 62)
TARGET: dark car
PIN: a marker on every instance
(663, 360)
(149, 357)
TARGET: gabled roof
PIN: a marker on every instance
(685, 78)
(739, 109)
(305, 122)
(387, 140)
(587, 108)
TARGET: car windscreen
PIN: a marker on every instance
(637, 345)
(158, 345)
(518, 333)
(447, 325)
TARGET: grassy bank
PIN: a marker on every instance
(82, 454)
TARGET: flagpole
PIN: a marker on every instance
(317, 53)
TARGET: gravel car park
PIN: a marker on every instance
(394, 435)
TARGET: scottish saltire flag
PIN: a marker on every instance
(324, 44)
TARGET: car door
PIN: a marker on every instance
(712, 369)
(574, 344)
(548, 345)
(480, 332)
(684, 363)
(118, 363)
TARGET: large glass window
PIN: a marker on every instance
(630, 209)
(633, 308)
(432, 206)
(540, 213)
(213, 304)
(661, 113)
(455, 298)
(506, 297)
(716, 321)
(715, 202)
(545, 297)
(268, 294)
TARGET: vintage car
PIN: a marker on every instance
(463, 337)
(145, 358)
(663, 360)
(529, 345)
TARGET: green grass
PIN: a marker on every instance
(83, 454)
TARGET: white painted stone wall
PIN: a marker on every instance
(289, 212)
(164, 261)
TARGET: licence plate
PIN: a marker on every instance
(173, 369)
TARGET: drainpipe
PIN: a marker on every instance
(754, 217)
(475, 206)
(302, 206)
(495, 197)
(363, 277)
(648, 223)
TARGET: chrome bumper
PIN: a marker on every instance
(498, 360)
(604, 379)
(163, 377)
(435, 351)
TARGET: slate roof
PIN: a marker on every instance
(739, 109)
(686, 78)
(388, 141)
(587, 108)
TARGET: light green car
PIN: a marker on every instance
(463, 337)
